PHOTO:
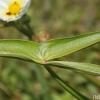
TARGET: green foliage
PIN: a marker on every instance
(22, 80)
(43, 52)
(85, 67)
(60, 47)
(48, 50)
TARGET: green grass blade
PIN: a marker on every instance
(85, 67)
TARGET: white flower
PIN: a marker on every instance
(11, 10)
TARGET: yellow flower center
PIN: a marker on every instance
(14, 9)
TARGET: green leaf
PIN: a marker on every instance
(42, 52)
(85, 67)
(20, 48)
(60, 47)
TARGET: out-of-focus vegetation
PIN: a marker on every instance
(20, 80)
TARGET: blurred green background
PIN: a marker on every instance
(20, 80)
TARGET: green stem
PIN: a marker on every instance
(23, 26)
(25, 29)
(67, 87)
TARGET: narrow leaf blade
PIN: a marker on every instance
(61, 47)
(19, 48)
(85, 67)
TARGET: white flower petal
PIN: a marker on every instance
(4, 6)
